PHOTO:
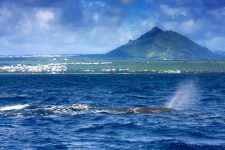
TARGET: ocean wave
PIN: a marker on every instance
(32, 110)
(14, 107)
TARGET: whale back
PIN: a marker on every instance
(142, 110)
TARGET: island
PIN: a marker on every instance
(156, 51)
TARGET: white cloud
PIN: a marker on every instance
(44, 17)
(98, 26)
(127, 1)
(214, 43)
(5, 15)
(35, 22)
(190, 26)
(173, 12)
(170, 25)
(148, 24)
(96, 17)
(95, 4)
(148, 21)
(99, 13)
(126, 34)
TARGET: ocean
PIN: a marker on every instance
(79, 111)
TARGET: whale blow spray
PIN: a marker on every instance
(184, 97)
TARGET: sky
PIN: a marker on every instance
(99, 26)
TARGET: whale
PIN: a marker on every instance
(127, 110)
(142, 110)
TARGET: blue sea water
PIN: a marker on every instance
(38, 111)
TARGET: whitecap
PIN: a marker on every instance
(14, 107)
(81, 106)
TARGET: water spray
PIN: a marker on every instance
(184, 97)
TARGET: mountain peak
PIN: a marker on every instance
(153, 32)
(159, 45)
(156, 29)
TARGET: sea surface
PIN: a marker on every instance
(75, 111)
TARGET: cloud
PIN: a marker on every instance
(127, 1)
(187, 27)
(170, 25)
(173, 12)
(5, 15)
(97, 26)
(101, 14)
(214, 43)
(50, 30)
(190, 26)
(44, 17)
(178, 3)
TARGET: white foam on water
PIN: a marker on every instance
(14, 107)
(184, 97)
(68, 109)
(81, 106)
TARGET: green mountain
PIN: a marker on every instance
(160, 45)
